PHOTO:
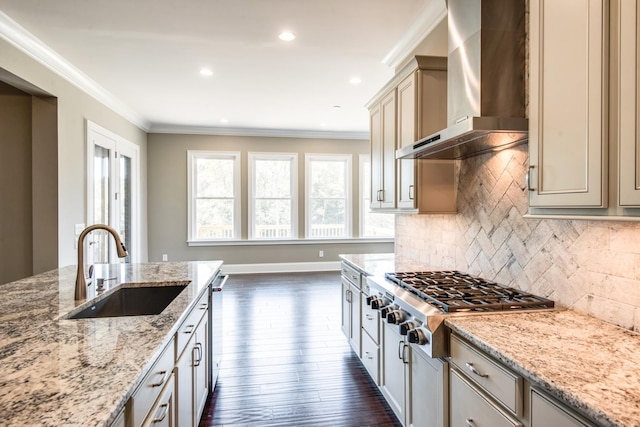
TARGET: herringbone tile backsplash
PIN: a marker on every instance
(590, 266)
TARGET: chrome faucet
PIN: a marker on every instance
(81, 284)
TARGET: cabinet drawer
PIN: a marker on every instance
(351, 274)
(371, 357)
(188, 327)
(370, 322)
(153, 383)
(501, 384)
(469, 408)
(545, 412)
(163, 413)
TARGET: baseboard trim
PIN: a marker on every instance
(280, 267)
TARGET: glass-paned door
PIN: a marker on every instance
(112, 196)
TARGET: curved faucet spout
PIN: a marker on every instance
(81, 284)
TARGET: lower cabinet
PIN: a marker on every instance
(545, 412)
(175, 390)
(428, 385)
(163, 413)
(154, 383)
(191, 373)
(392, 376)
(470, 408)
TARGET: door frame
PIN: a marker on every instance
(133, 151)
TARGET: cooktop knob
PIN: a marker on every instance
(370, 298)
(416, 336)
(385, 310)
(407, 326)
(376, 303)
(395, 317)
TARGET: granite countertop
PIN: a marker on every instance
(378, 264)
(55, 371)
(589, 364)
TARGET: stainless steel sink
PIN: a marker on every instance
(132, 301)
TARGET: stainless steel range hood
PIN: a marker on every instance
(485, 82)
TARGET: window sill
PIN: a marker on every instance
(356, 240)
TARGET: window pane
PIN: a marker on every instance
(328, 178)
(328, 218)
(214, 177)
(378, 224)
(214, 219)
(273, 219)
(273, 178)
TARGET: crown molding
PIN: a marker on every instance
(432, 14)
(26, 42)
(273, 133)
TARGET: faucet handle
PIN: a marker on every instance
(91, 271)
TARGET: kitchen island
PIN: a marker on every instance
(56, 371)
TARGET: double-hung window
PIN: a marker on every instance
(273, 192)
(214, 195)
(328, 196)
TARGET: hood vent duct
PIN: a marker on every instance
(485, 82)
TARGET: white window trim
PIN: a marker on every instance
(133, 151)
(348, 159)
(191, 172)
(363, 159)
(252, 157)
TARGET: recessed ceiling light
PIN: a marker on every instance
(337, 107)
(206, 72)
(287, 36)
(355, 80)
(224, 121)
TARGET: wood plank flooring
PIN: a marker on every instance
(285, 359)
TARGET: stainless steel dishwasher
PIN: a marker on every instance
(215, 330)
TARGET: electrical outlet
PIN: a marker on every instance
(321, 254)
(165, 257)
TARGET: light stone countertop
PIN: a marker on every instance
(60, 372)
(589, 364)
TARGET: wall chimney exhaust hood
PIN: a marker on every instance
(485, 82)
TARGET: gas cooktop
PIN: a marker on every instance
(453, 291)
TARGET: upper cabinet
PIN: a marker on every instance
(584, 139)
(626, 16)
(568, 141)
(411, 106)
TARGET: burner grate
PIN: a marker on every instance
(456, 291)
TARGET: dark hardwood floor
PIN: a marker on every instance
(286, 361)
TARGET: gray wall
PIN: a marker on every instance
(167, 197)
(74, 108)
(15, 184)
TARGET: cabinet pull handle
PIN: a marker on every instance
(411, 192)
(198, 359)
(475, 371)
(354, 277)
(470, 422)
(165, 375)
(401, 350)
(528, 179)
(368, 355)
(368, 316)
(190, 329)
(405, 359)
(347, 295)
(380, 195)
(203, 306)
(165, 410)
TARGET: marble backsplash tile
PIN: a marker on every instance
(590, 266)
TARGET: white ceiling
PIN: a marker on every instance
(147, 55)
